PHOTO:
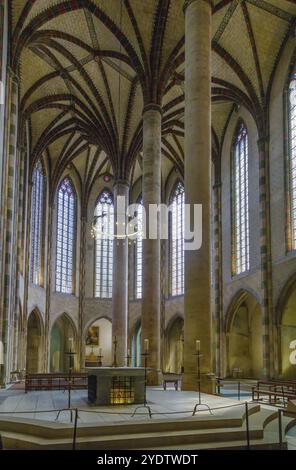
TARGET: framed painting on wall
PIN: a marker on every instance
(92, 337)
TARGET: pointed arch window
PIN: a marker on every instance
(65, 246)
(292, 160)
(139, 252)
(104, 211)
(240, 201)
(37, 224)
(177, 202)
(136, 347)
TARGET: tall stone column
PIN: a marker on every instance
(151, 248)
(19, 264)
(197, 301)
(27, 218)
(266, 260)
(81, 341)
(8, 226)
(46, 363)
(219, 344)
(120, 277)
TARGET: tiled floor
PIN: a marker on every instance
(167, 404)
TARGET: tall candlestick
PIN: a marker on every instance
(146, 345)
(1, 354)
(197, 344)
(114, 352)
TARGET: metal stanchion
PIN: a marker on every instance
(247, 426)
(280, 430)
(238, 390)
(71, 355)
(199, 403)
(75, 429)
(145, 404)
(218, 385)
(65, 409)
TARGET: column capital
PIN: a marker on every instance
(122, 182)
(188, 2)
(152, 107)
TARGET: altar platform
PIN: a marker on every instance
(28, 421)
(169, 404)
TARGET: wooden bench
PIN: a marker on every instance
(273, 392)
(171, 378)
(77, 381)
(288, 384)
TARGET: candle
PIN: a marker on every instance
(128, 352)
(197, 344)
(71, 343)
(100, 351)
(146, 345)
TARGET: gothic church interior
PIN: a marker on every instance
(161, 102)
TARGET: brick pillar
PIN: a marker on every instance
(197, 300)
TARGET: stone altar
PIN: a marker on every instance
(116, 385)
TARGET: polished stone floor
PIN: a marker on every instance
(172, 404)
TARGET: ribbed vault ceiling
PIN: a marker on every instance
(87, 68)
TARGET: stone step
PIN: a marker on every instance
(135, 434)
(49, 429)
(131, 441)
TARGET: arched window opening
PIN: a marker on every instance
(240, 191)
(104, 214)
(177, 240)
(292, 159)
(37, 224)
(139, 252)
(65, 249)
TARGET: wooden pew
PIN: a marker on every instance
(275, 390)
(55, 381)
(289, 384)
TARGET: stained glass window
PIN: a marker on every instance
(66, 225)
(292, 158)
(37, 210)
(240, 218)
(139, 252)
(104, 214)
(177, 240)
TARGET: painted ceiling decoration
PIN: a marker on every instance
(88, 68)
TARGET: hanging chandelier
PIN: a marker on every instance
(100, 230)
